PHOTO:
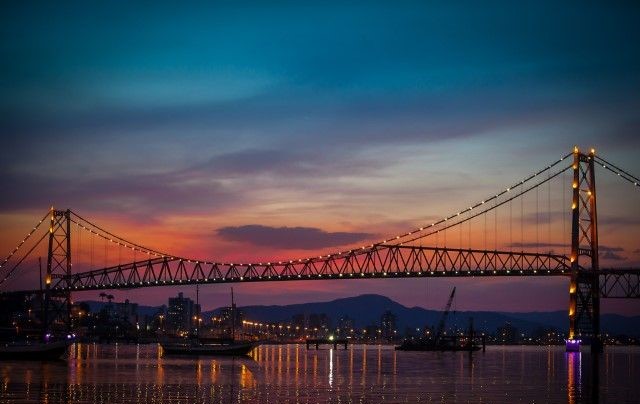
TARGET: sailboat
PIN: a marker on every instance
(34, 351)
(197, 347)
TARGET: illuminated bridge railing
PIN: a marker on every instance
(380, 261)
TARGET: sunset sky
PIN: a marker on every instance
(244, 131)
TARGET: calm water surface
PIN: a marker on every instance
(291, 374)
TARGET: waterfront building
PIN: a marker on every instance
(182, 314)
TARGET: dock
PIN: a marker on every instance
(327, 341)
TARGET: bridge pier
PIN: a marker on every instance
(584, 289)
(57, 303)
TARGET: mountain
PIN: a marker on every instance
(367, 309)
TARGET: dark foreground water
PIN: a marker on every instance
(291, 374)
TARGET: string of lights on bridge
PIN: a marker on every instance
(618, 171)
(24, 240)
(112, 238)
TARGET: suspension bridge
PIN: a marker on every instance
(485, 239)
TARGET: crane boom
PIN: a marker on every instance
(443, 320)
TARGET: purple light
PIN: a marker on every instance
(573, 345)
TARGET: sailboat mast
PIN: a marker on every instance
(198, 313)
(233, 317)
(42, 314)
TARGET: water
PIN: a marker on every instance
(281, 374)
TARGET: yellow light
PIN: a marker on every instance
(575, 185)
(593, 151)
(47, 280)
(573, 206)
(575, 149)
(572, 289)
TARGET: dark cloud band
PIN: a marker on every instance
(305, 238)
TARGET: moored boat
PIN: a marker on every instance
(34, 351)
(198, 346)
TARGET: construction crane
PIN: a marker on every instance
(443, 320)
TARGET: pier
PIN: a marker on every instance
(326, 341)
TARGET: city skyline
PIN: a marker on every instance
(238, 140)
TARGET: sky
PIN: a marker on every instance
(248, 131)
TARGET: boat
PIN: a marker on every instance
(34, 351)
(197, 346)
(441, 342)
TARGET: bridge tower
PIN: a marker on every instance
(57, 307)
(584, 291)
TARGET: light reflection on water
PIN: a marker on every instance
(291, 374)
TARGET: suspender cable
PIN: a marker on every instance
(549, 214)
(524, 191)
(537, 223)
(522, 223)
(563, 210)
(510, 225)
(495, 225)
(485, 230)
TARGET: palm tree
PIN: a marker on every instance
(109, 298)
(102, 296)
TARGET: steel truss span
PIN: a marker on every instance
(391, 261)
(620, 283)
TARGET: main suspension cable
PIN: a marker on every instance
(116, 239)
(524, 191)
(13, 269)
(618, 171)
(24, 240)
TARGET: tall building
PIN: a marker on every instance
(227, 314)
(507, 334)
(320, 321)
(182, 314)
(388, 324)
(345, 325)
(127, 312)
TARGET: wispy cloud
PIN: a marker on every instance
(138, 194)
